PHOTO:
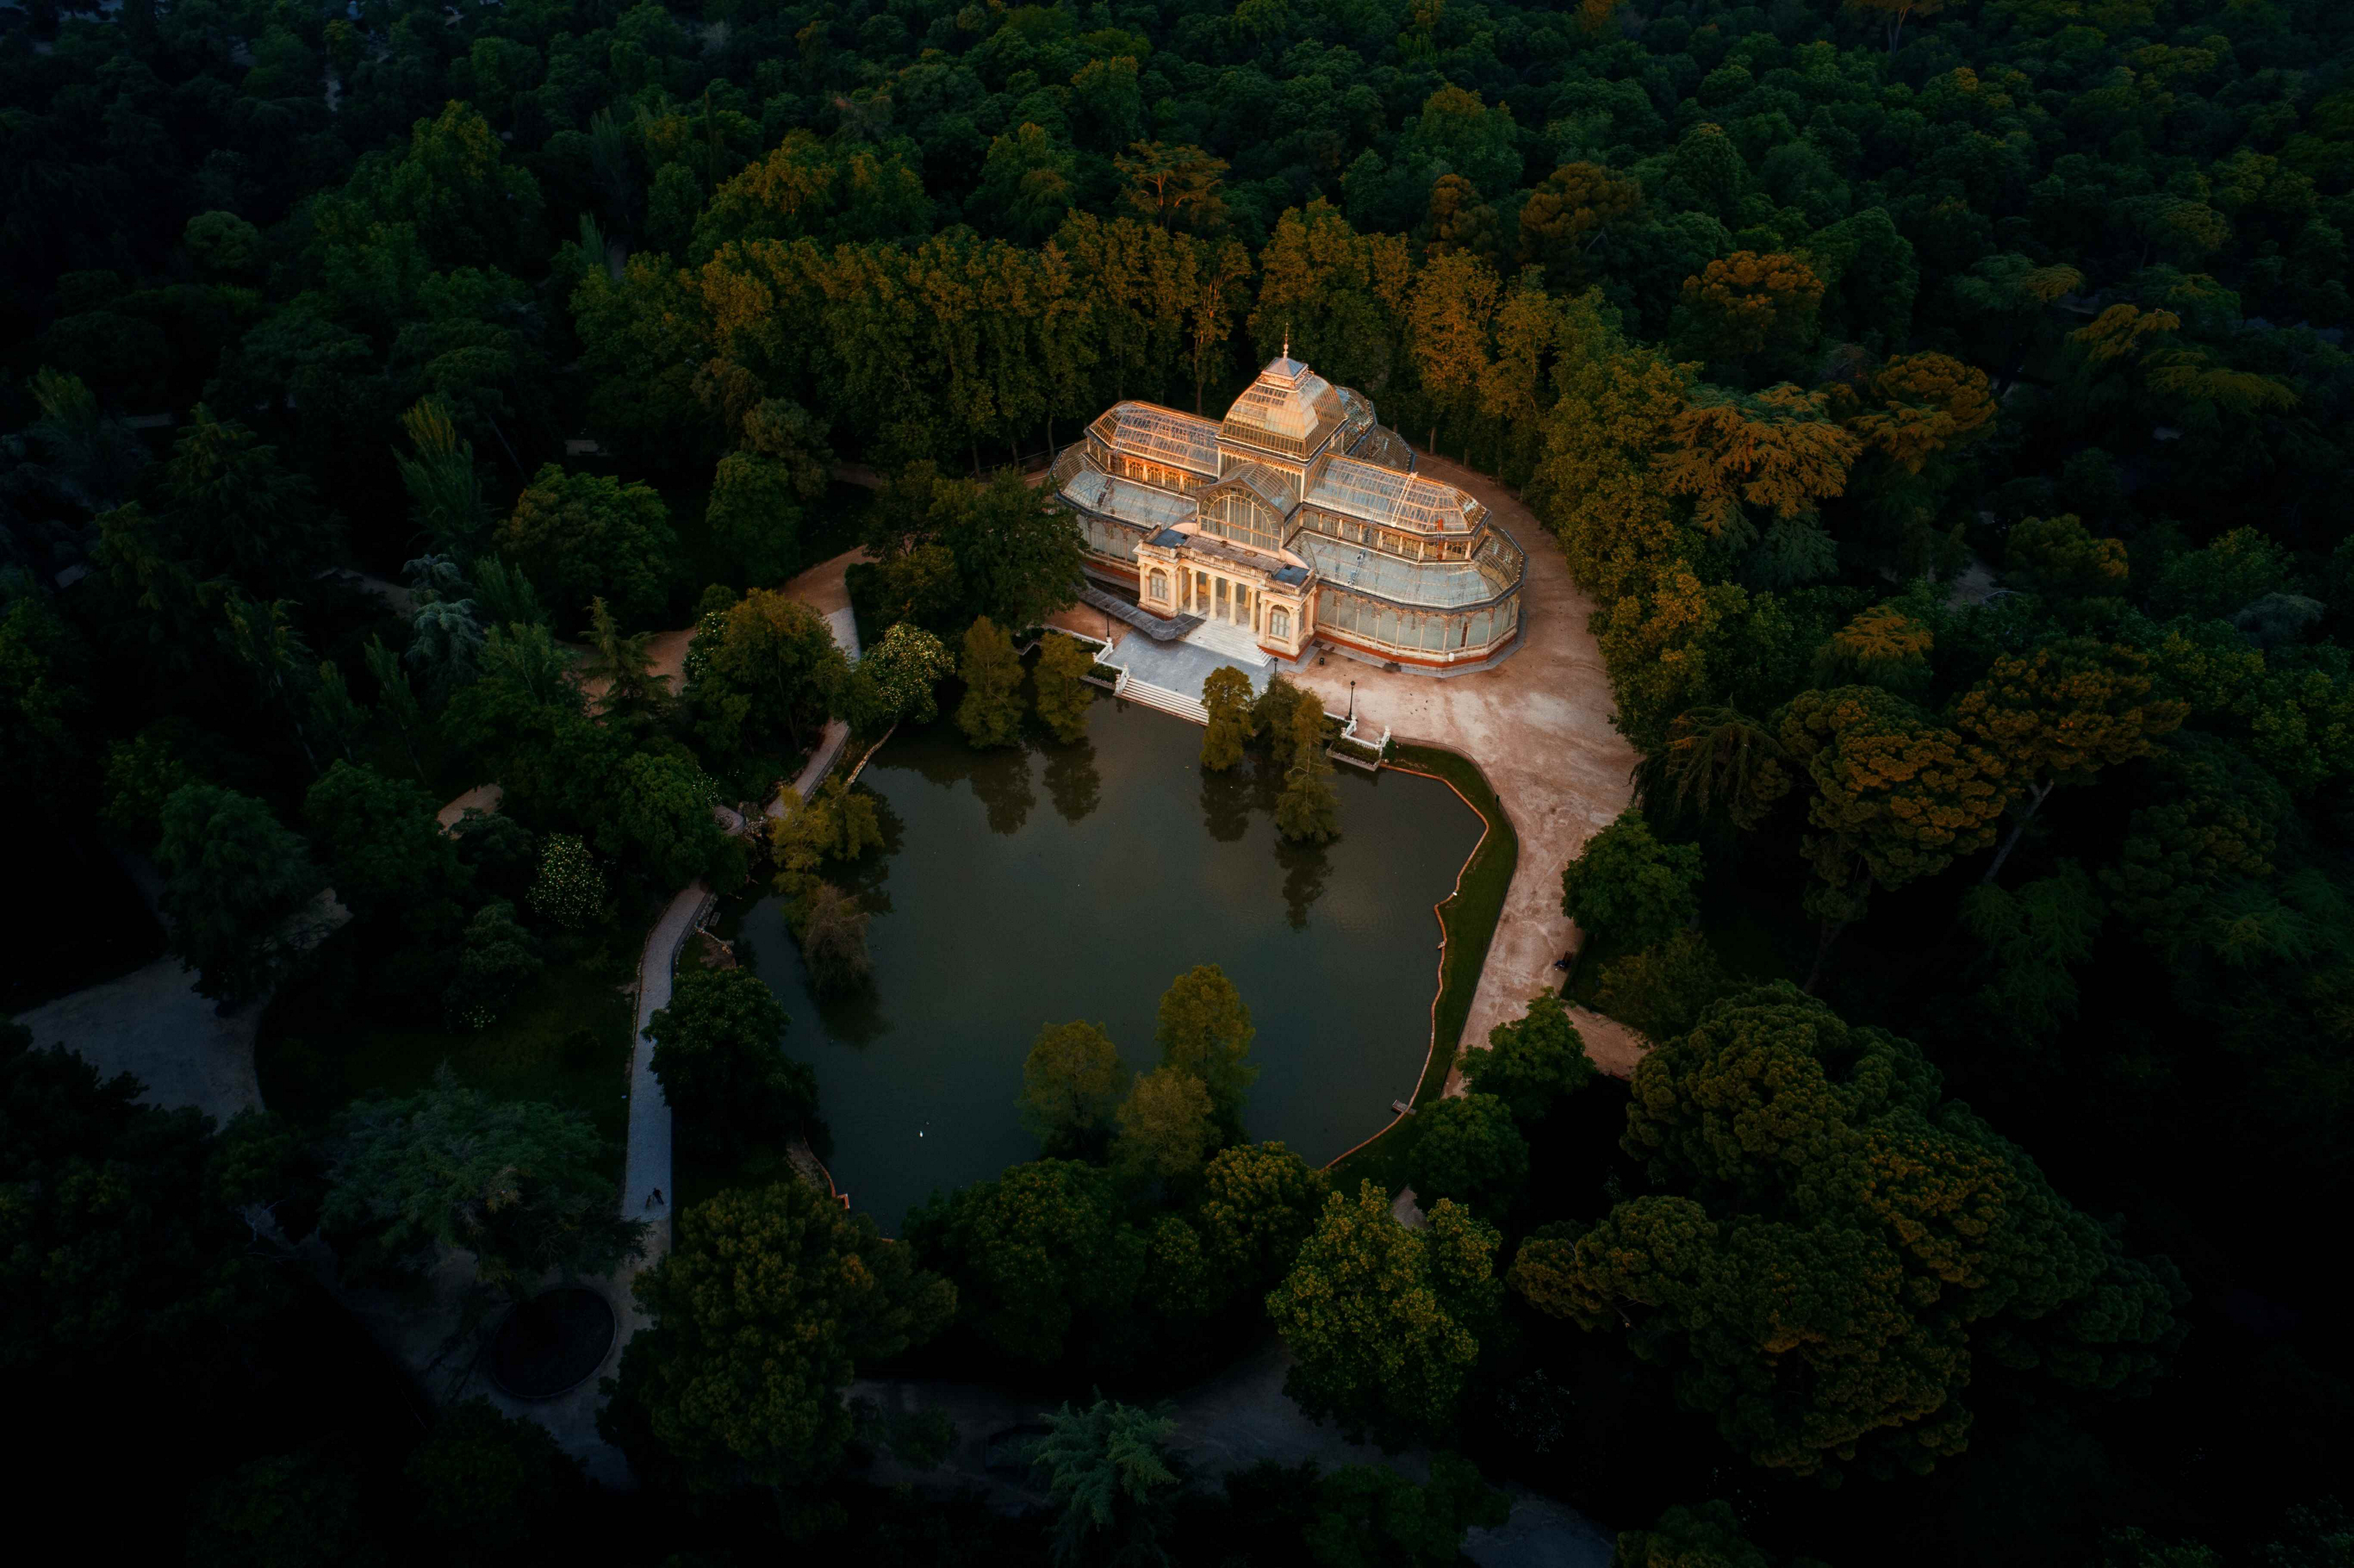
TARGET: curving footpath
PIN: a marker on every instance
(646, 1190)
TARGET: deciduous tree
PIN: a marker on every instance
(1166, 1127)
(235, 883)
(1825, 1224)
(1663, 990)
(583, 534)
(991, 712)
(1041, 1257)
(719, 1054)
(2060, 556)
(1064, 696)
(762, 1310)
(1628, 887)
(1017, 554)
(2060, 716)
(1072, 1082)
(1469, 1151)
(1204, 1029)
(1897, 796)
(1531, 1062)
(1259, 1202)
(1743, 304)
(1383, 1322)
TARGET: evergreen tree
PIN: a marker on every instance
(1109, 1469)
(1227, 693)
(1307, 811)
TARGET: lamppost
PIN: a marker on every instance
(1352, 702)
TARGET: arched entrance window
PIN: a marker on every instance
(1278, 623)
(1158, 586)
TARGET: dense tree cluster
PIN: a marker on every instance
(1942, 402)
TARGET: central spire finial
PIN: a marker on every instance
(1287, 340)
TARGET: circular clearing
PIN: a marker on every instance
(552, 1344)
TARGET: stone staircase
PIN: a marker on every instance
(1173, 703)
(1153, 626)
(1230, 642)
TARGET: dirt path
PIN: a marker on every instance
(1539, 727)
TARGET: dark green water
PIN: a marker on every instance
(1024, 888)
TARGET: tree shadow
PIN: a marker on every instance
(1074, 783)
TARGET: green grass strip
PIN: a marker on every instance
(1468, 917)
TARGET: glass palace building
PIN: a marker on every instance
(1299, 518)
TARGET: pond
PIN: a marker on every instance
(1024, 888)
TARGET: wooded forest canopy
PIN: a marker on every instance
(1944, 403)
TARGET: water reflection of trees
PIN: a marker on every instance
(867, 876)
(1073, 782)
(1305, 869)
(1226, 801)
(999, 778)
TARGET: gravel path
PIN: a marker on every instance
(151, 1024)
(1539, 727)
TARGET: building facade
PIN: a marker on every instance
(1298, 518)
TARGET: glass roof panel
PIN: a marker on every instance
(1145, 506)
(1438, 585)
(1289, 407)
(1267, 484)
(1161, 435)
(1385, 448)
(1373, 494)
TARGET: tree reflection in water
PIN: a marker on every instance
(1226, 804)
(1073, 783)
(1305, 868)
